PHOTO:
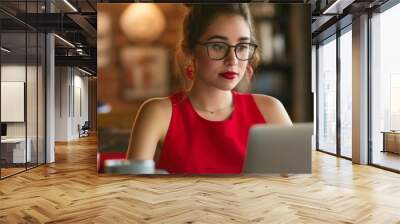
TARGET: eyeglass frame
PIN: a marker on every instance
(204, 44)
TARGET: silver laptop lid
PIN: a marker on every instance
(279, 149)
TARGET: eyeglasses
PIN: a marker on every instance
(219, 50)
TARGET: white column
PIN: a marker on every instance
(50, 92)
(314, 93)
(50, 110)
(360, 90)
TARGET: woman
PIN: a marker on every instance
(204, 130)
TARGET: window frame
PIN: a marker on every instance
(345, 25)
(378, 10)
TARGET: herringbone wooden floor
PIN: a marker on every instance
(70, 191)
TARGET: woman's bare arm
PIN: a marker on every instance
(272, 110)
(150, 126)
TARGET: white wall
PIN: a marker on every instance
(33, 127)
(71, 93)
(13, 73)
(16, 73)
(61, 103)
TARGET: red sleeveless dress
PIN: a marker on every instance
(195, 145)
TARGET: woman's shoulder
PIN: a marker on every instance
(158, 104)
(271, 108)
(161, 105)
(261, 100)
(265, 100)
(156, 113)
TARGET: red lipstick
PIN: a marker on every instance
(228, 75)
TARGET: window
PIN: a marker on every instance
(346, 93)
(326, 60)
(385, 88)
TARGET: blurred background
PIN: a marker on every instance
(136, 45)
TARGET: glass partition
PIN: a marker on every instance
(22, 90)
(14, 151)
(31, 100)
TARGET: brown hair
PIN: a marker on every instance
(196, 22)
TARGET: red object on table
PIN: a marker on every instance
(103, 156)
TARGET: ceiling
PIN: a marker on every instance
(77, 26)
(328, 16)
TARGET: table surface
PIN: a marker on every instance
(13, 140)
(391, 132)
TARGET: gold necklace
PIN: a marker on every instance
(209, 111)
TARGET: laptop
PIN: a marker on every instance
(275, 149)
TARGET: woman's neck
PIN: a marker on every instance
(210, 98)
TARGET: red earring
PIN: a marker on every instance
(189, 72)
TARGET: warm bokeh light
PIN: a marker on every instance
(138, 18)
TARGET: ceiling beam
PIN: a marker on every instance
(84, 24)
(83, 61)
